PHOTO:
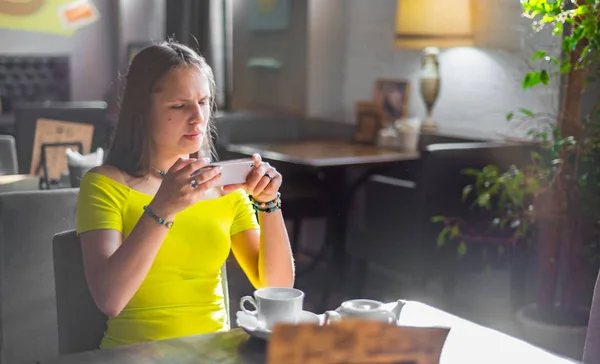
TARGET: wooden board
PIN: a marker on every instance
(355, 342)
(369, 120)
(56, 131)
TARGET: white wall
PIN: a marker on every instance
(93, 49)
(283, 89)
(90, 49)
(327, 28)
(479, 85)
(140, 21)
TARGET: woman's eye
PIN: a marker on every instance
(180, 106)
(203, 102)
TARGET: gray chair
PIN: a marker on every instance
(401, 238)
(8, 155)
(591, 351)
(28, 220)
(86, 112)
(81, 324)
(257, 127)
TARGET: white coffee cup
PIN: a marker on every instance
(273, 305)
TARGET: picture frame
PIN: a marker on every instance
(369, 120)
(58, 135)
(133, 48)
(393, 97)
(269, 15)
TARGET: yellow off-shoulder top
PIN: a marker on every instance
(182, 294)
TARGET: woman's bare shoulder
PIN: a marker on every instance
(111, 172)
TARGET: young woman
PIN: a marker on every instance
(154, 238)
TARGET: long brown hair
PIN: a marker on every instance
(131, 146)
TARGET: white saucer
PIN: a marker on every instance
(256, 328)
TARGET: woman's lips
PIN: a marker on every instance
(193, 137)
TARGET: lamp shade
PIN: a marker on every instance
(434, 23)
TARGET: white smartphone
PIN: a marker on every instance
(233, 171)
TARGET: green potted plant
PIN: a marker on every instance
(555, 200)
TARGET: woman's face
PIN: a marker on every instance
(180, 112)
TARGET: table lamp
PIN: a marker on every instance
(429, 25)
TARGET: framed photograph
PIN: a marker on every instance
(133, 48)
(393, 97)
(270, 15)
(369, 120)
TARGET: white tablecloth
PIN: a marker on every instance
(469, 343)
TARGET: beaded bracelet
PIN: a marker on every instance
(267, 207)
(158, 219)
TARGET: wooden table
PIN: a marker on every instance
(324, 153)
(466, 343)
(333, 160)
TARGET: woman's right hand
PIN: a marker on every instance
(176, 192)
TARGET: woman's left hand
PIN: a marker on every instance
(262, 183)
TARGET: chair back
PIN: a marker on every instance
(8, 155)
(440, 183)
(225, 286)
(81, 324)
(28, 220)
(86, 112)
(256, 127)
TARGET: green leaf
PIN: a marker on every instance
(554, 60)
(558, 29)
(491, 169)
(538, 55)
(454, 232)
(531, 79)
(532, 186)
(578, 34)
(509, 116)
(565, 67)
(483, 200)
(547, 19)
(466, 191)
(462, 249)
(437, 218)
(441, 239)
(581, 10)
(523, 229)
(545, 77)
(526, 112)
(470, 172)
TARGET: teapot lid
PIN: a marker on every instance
(362, 305)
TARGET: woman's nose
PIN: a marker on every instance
(198, 116)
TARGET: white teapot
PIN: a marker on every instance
(366, 309)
